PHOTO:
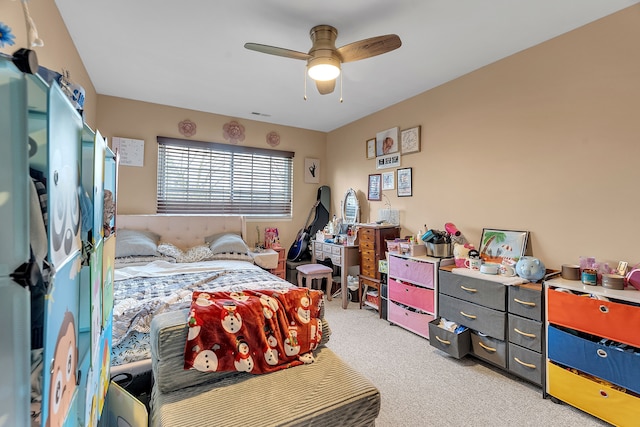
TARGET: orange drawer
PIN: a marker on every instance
(411, 295)
(616, 321)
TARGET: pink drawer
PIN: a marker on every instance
(408, 294)
(411, 270)
(410, 320)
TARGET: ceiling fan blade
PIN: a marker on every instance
(369, 47)
(326, 87)
(279, 51)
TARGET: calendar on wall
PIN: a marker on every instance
(131, 151)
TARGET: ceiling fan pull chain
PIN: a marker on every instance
(305, 85)
(341, 88)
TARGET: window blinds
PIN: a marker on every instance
(210, 178)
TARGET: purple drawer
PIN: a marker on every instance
(411, 270)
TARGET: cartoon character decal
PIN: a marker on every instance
(63, 372)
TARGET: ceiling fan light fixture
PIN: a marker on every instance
(323, 69)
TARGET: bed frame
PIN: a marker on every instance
(184, 230)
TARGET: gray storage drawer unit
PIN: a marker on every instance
(505, 320)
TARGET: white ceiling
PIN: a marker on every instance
(191, 54)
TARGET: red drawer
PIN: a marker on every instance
(414, 322)
(411, 295)
(411, 270)
(616, 321)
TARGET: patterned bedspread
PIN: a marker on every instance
(144, 292)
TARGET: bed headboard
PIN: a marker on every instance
(184, 231)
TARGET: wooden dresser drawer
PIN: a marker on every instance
(490, 349)
(477, 317)
(411, 270)
(414, 296)
(367, 234)
(410, 320)
(616, 321)
(614, 406)
(525, 332)
(526, 300)
(589, 355)
(525, 363)
(484, 292)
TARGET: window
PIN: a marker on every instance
(210, 178)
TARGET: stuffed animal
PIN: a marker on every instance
(530, 268)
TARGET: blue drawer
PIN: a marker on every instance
(618, 367)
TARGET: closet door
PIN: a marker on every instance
(14, 247)
(62, 304)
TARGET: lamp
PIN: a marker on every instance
(323, 68)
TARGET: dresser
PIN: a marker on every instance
(505, 321)
(412, 286)
(372, 248)
(593, 356)
(345, 257)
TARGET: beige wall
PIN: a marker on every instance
(139, 120)
(58, 53)
(546, 140)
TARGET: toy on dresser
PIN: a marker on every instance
(530, 268)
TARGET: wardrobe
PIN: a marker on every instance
(56, 262)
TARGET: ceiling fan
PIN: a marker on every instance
(324, 59)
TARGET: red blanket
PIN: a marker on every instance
(253, 331)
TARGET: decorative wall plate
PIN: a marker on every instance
(233, 132)
(187, 127)
(273, 139)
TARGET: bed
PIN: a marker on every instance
(152, 278)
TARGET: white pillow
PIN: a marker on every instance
(136, 243)
(194, 254)
(227, 243)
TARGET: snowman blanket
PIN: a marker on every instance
(255, 331)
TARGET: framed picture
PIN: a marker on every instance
(404, 182)
(388, 181)
(410, 140)
(371, 148)
(375, 187)
(498, 246)
(388, 161)
(387, 142)
(311, 171)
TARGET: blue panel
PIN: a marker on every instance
(603, 361)
(65, 135)
(14, 354)
(14, 233)
(61, 345)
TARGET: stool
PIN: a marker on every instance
(308, 272)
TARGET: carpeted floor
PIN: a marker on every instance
(421, 386)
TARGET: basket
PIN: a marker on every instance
(439, 250)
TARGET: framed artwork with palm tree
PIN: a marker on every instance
(498, 246)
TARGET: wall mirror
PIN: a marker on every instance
(350, 207)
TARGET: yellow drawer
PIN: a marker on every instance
(599, 400)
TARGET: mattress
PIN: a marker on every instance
(327, 392)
